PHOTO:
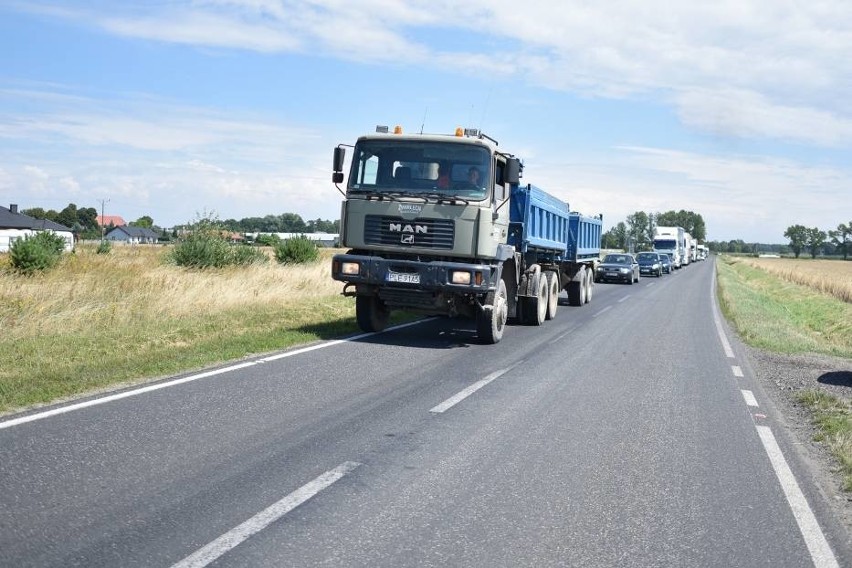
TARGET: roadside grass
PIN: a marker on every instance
(103, 321)
(772, 313)
(778, 315)
(833, 418)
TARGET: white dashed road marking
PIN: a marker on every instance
(454, 400)
(209, 553)
(748, 396)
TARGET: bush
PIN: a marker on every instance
(36, 253)
(242, 255)
(205, 246)
(104, 247)
(296, 250)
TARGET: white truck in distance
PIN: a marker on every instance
(670, 240)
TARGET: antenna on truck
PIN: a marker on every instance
(423, 124)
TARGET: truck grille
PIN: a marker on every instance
(418, 233)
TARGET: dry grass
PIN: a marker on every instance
(96, 321)
(833, 277)
(132, 285)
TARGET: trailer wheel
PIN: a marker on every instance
(590, 285)
(577, 289)
(491, 319)
(371, 312)
(552, 294)
(541, 298)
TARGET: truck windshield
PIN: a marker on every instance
(665, 244)
(421, 167)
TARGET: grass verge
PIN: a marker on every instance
(833, 418)
(773, 313)
(101, 321)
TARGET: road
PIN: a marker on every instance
(627, 432)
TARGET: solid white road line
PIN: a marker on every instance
(748, 396)
(729, 353)
(209, 553)
(821, 552)
(737, 370)
(624, 298)
(175, 382)
(454, 400)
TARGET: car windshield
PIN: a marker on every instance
(421, 167)
(647, 257)
(617, 259)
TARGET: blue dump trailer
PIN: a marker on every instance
(426, 235)
(564, 245)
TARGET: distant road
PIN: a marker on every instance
(627, 432)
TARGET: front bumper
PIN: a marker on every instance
(376, 271)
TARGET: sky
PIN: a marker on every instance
(739, 110)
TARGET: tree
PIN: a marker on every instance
(815, 240)
(798, 235)
(144, 221)
(693, 223)
(637, 230)
(842, 239)
(618, 236)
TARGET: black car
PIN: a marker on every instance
(650, 263)
(666, 261)
(620, 267)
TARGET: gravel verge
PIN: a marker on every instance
(783, 377)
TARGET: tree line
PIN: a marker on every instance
(815, 240)
(83, 222)
(637, 231)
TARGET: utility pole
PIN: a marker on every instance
(103, 229)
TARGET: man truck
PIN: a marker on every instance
(428, 235)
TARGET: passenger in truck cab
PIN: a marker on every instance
(443, 176)
(474, 177)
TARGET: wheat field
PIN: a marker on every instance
(833, 277)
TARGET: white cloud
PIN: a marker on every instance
(776, 57)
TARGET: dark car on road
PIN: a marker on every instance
(650, 263)
(666, 261)
(620, 267)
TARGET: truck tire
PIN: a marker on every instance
(590, 285)
(577, 289)
(540, 300)
(491, 318)
(371, 312)
(552, 294)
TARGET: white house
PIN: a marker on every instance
(14, 226)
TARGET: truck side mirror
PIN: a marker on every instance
(337, 177)
(513, 171)
(339, 156)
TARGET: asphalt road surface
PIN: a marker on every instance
(627, 432)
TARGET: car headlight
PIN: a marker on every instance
(624, 270)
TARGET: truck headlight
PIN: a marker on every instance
(350, 268)
(459, 277)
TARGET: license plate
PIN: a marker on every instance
(403, 277)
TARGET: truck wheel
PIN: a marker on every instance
(590, 285)
(491, 319)
(371, 312)
(552, 294)
(577, 290)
